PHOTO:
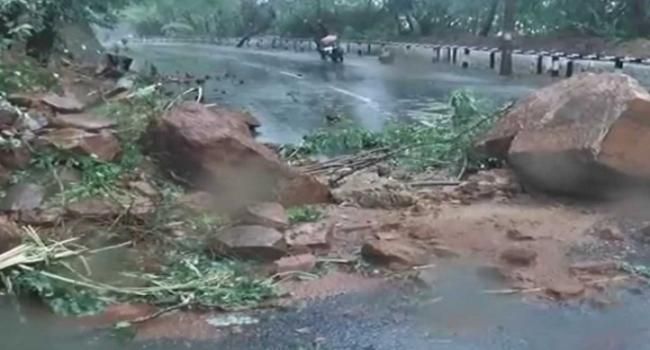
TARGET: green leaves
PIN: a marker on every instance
(439, 139)
(63, 299)
(303, 214)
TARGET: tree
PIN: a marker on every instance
(489, 18)
(508, 32)
(258, 18)
(639, 9)
(42, 18)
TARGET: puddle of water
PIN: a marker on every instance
(454, 314)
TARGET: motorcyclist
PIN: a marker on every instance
(322, 37)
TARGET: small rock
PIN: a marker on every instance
(198, 202)
(22, 100)
(565, 290)
(516, 235)
(96, 209)
(33, 122)
(23, 197)
(141, 208)
(423, 232)
(519, 256)
(266, 214)
(44, 217)
(144, 188)
(387, 252)
(383, 170)
(610, 234)
(8, 116)
(311, 235)
(82, 121)
(10, 236)
(5, 175)
(402, 175)
(303, 263)
(595, 267)
(63, 104)
(104, 146)
(15, 158)
(255, 242)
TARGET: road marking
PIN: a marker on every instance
(289, 74)
(351, 94)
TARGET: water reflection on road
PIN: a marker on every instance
(291, 93)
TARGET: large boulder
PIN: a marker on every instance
(214, 149)
(586, 135)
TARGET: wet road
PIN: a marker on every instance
(291, 93)
(453, 314)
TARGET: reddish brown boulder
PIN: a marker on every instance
(41, 217)
(389, 252)
(82, 121)
(10, 236)
(584, 135)
(63, 104)
(21, 197)
(310, 235)
(255, 242)
(216, 151)
(15, 158)
(266, 214)
(303, 263)
(563, 290)
(23, 100)
(94, 208)
(519, 256)
(103, 145)
(198, 202)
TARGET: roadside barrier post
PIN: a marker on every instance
(493, 59)
(618, 63)
(465, 63)
(438, 53)
(555, 66)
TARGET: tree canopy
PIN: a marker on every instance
(388, 18)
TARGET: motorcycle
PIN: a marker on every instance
(329, 48)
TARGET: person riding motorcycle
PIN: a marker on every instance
(326, 43)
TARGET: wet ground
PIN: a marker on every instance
(291, 93)
(452, 314)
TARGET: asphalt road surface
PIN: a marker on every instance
(292, 93)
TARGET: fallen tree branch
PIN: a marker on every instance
(434, 183)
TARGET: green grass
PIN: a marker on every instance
(24, 76)
(303, 215)
(442, 138)
(192, 279)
